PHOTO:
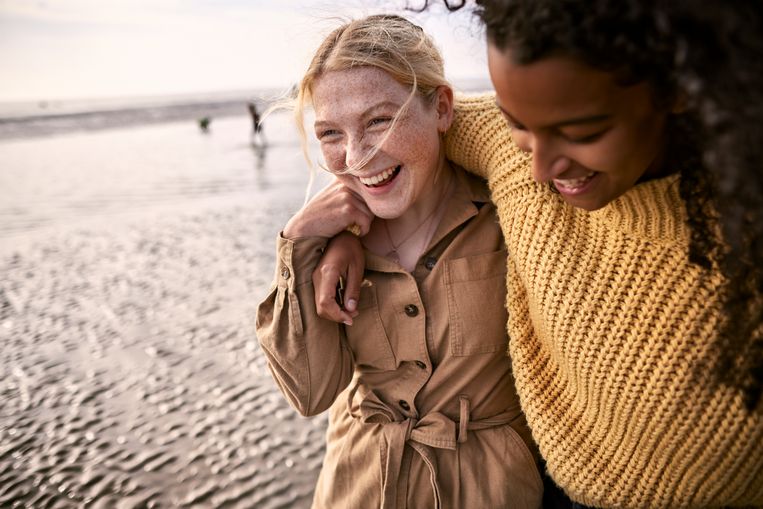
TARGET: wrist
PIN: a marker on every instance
(292, 230)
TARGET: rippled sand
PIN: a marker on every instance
(130, 374)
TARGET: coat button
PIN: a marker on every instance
(411, 310)
(285, 273)
(430, 262)
(421, 365)
(404, 405)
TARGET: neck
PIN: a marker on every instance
(409, 235)
(424, 207)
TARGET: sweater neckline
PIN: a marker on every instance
(651, 209)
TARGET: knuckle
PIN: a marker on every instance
(321, 304)
(326, 270)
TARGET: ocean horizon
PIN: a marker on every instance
(44, 117)
(20, 119)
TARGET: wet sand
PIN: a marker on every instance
(131, 375)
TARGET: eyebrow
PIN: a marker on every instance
(367, 112)
(590, 119)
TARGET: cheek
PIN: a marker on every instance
(616, 155)
(334, 157)
(415, 138)
(631, 155)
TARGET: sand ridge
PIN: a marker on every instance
(131, 376)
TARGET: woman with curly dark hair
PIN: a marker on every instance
(629, 193)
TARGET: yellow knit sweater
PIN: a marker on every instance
(607, 321)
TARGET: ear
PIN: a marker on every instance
(444, 106)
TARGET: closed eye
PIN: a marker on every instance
(589, 138)
(379, 121)
(326, 133)
(512, 124)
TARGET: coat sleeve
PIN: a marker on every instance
(307, 355)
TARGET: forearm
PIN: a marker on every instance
(479, 139)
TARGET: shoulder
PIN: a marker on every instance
(476, 103)
(480, 141)
(479, 113)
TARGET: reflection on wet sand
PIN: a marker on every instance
(131, 376)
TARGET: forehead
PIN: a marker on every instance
(355, 89)
(553, 88)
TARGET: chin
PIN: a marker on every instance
(389, 207)
(589, 206)
(386, 212)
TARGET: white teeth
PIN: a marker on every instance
(379, 177)
(574, 183)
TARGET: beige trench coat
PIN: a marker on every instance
(423, 407)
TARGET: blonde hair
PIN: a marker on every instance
(385, 41)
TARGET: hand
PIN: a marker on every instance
(343, 257)
(329, 212)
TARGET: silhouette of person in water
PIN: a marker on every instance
(257, 132)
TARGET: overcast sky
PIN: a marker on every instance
(63, 49)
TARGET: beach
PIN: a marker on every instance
(132, 262)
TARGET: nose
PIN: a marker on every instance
(355, 151)
(547, 162)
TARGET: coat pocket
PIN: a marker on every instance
(367, 338)
(476, 289)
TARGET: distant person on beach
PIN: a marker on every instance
(258, 135)
(204, 124)
(423, 409)
(623, 151)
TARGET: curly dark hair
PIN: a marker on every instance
(719, 65)
(709, 55)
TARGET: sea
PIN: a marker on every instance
(22, 119)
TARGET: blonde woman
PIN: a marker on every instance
(423, 410)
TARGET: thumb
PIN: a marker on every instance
(352, 287)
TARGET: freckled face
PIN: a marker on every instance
(591, 137)
(354, 110)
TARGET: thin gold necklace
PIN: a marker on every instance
(393, 254)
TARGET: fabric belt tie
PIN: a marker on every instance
(432, 430)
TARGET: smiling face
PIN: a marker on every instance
(354, 110)
(590, 137)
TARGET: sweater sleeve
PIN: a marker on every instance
(307, 355)
(480, 141)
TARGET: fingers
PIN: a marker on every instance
(343, 257)
(330, 212)
(357, 210)
(352, 284)
(325, 281)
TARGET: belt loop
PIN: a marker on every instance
(351, 397)
(463, 418)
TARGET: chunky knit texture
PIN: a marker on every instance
(608, 320)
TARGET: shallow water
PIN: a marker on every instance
(132, 262)
(56, 180)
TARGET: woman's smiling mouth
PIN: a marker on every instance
(573, 185)
(380, 179)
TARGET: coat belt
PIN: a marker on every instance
(434, 430)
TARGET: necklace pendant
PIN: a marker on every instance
(392, 255)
